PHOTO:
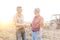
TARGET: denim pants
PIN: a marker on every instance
(35, 36)
(20, 35)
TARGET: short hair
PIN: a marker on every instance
(19, 7)
(37, 9)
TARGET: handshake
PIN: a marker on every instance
(23, 26)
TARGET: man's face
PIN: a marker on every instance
(19, 10)
(36, 12)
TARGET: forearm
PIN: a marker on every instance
(39, 30)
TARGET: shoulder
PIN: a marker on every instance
(40, 17)
(15, 16)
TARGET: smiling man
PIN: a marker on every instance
(37, 25)
(19, 23)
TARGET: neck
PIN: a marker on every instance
(37, 15)
(19, 14)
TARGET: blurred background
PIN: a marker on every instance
(49, 10)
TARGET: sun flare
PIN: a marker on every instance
(5, 19)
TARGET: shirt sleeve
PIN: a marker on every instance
(40, 21)
(14, 20)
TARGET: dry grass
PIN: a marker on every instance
(9, 33)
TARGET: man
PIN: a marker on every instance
(19, 23)
(37, 25)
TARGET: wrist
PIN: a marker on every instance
(39, 32)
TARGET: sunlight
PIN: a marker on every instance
(8, 9)
(5, 19)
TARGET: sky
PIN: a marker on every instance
(47, 9)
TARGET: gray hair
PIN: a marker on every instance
(19, 7)
(37, 9)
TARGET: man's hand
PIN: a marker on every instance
(26, 30)
(39, 35)
(24, 25)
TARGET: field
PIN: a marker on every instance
(9, 33)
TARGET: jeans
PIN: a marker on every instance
(20, 34)
(35, 36)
